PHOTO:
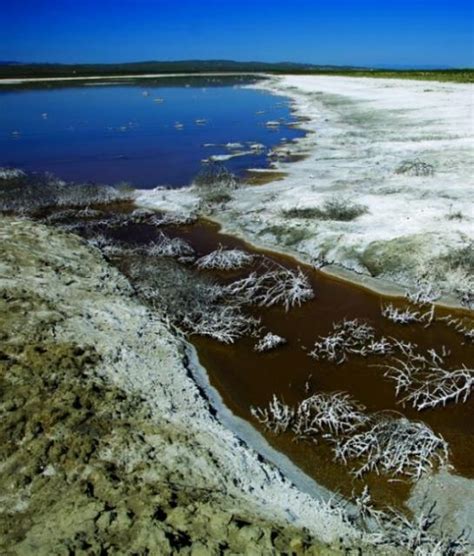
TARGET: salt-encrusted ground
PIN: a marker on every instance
(362, 131)
(107, 443)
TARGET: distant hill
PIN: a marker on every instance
(18, 69)
(12, 69)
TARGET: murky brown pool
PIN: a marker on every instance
(246, 378)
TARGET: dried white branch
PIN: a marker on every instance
(415, 536)
(225, 259)
(105, 244)
(400, 316)
(407, 316)
(277, 417)
(283, 286)
(170, 247)
(365, 508)
(426, 383)
(196, 304)
(225, 323)
(426, 293)
(460, 326)
(330, 414)
(440, 386)
(349, 337)
(268, 342)
(333, 414)
(172, 219)
(393, 445)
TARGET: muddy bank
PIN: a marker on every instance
(107, 445)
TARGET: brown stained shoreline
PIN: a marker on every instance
(245, 378)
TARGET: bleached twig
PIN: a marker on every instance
(460, 326)
(425, 294)
(349, 337)
(225, 323)
(407, 316)
(334, 414)
(225, 259)
(170, 247)
(323, 413)
(283, 286)
(426, 383)
(172, 219)
(440, 386)
(268, 342)
(416, 535)
(393, 445)
(277, 417)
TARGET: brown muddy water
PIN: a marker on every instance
(246, 378)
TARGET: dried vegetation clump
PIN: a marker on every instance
(393, 445)
(465, 327)
(21, 192)
(172, 218)
(215, 174)
(407, 315)
(268, 342)
(415, 168)
(11, 174)
(334, 208)
(171, 247)
(323, 413)
(416, 535)
(215, 184)
(380, 442)
(225, 259)
(196, 304)
(425, 382)
(349, 337)
(452, 274)
(283, 286)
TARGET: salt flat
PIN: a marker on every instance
(362, 132)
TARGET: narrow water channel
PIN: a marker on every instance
(246, 378)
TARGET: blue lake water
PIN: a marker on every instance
(146, 133)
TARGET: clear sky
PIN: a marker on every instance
(356, 32)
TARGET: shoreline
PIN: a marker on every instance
(284, 171)
(313, 121)
(250, 436)
(230, 421)
(19, 80)
(256, 207)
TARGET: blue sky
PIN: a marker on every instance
(358, 32)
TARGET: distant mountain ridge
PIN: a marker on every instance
(19, 69)
(13, 69)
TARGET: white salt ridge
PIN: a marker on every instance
(224, 157)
